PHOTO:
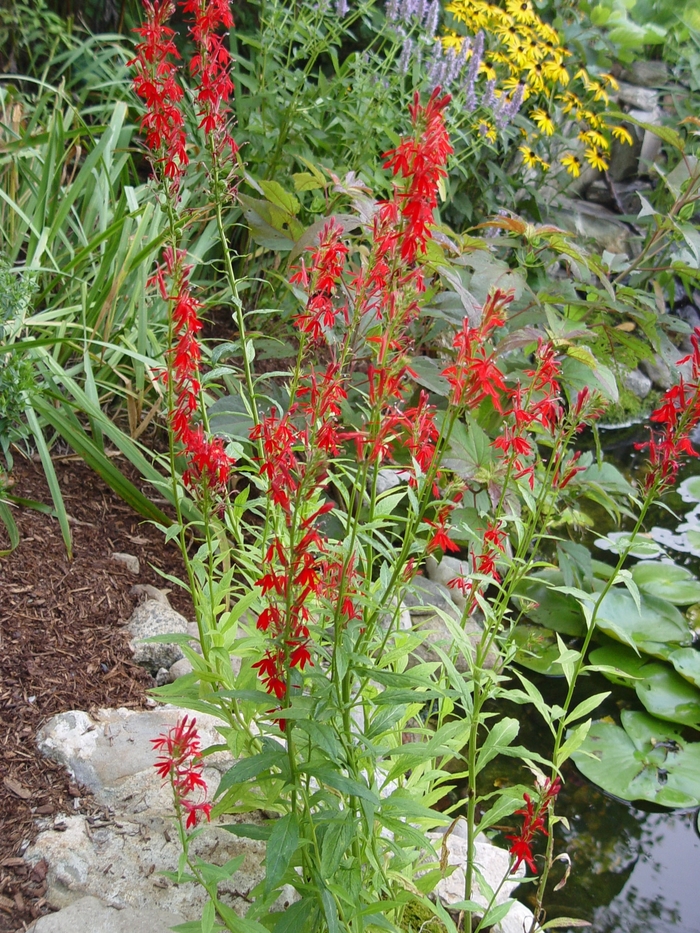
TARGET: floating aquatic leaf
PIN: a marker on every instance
(621, 658)
(687, 662)
(651, 628)
(537, 649)
(668, 581)
(668, 695)
(689, 489)
(618, 541)
(559, 612)
(644, 760)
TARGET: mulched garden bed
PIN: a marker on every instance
(63, 646)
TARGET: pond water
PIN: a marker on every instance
(636, 869)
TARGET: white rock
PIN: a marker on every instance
(155, 618)
(449, 569)
(119, 861)
(90, 915)
(130, 562)
(180, 669)
(492, 863)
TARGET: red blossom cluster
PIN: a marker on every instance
(211, 66)
(156, 83)
(206, 456)
(677, 415)
(534, 815)
(180, 762)
(421, 160)
(296, 445)
(475, 375)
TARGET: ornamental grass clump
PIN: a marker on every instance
(308, 521)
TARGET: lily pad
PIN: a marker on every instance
(537, 650)
(623, 659)
(687, 662)
(642, 760)
(668, 581)
(666, 694)
(689, 489)
(652, 627)
(559, 612)
(618, 541)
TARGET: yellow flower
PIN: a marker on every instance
(589, 117)
(531, 159)
(543, 120)
(610, 81)
(570, 102)
(594, 138)
(535, 76)
(596, 159)
(555, 71)
(488, 70)
(486, 130)
(522, 11)
(572, 164)
(619, 132)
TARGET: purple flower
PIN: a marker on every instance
(489, 94)
(406, 55)
(431, 18)
(342, 8)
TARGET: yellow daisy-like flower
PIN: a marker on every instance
(594, 138)
(610, 81)
(535, 76)
(591, 118)
(555, 71)
(596, 159)
(531, 159)
(569, 102)
(599, 92)
(522, 11)
(572, 164)
(619, 132)
(452, 41)
(486, 130)
(488, 70)
(543, 120)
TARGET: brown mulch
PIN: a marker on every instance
(63, 646)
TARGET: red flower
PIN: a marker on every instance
(156, 83)
(678, 414)
(533, 822)
(421, 159)
(180, 762)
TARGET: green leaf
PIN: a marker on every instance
(687, 662)
(295, 919)
(497, 740)
(281, 847)
(336, 841)
(555, 610)
(655, 621)
(249, 830)
(275, 193)
(644, 760)
(248, 768)
(668, 695)
(10, 524)
(668, 581)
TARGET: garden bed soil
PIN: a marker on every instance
(63, 646)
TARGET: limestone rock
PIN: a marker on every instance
(118, 857)
(90, 915)
(493, 864)
(429, 601)
(637, 383)
(129, 561)
(153, 617)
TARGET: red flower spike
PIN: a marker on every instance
(534, 815)
(156, 84)
(180, 762)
